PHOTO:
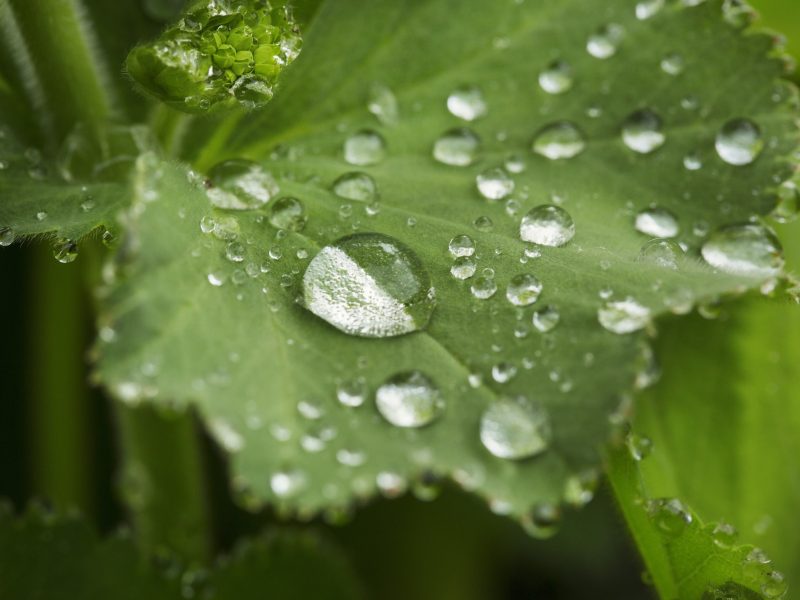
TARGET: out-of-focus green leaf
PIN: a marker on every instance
(687, 559)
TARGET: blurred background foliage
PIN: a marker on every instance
(59, 442)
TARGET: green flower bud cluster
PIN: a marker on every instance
(222, 53)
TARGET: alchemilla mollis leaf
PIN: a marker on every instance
(538, 183)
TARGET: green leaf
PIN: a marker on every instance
(219, 55)
(725, 423)
(230, 337)
(35, 197)
(286, 564)
(46, 557)
(686, 558)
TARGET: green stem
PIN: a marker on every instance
(62, 63)
(60, 407)
(164, 482)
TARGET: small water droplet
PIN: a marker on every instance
(383, 104)
(605, 42)
(288, 213)
(692, 162)
(484, 287)
(546, 319)
(639, 446)
(724, 535)
(494, 184)
(65, 250)
(657, 222)
(285, 484)
(351, 458)
(558, 141)
(352, 393)
(542, 521)
(391, 485)
(515, 428)
(463, 267)
(467, 103)
(673, 64)
(41, 216)
(483, 223)
(669, 515)
(235, 252)
(461, 245)
(356, 186)
(623, 316)
(556, 78)
(547, 225)
(7, 236)
(788, 204)
(739, 142)
(457, 147)
(642, 132)
(662, 253)
(364, 148)
(409, 400)
(748, 249)
(369, 285)
(523, 290)
(647, 9)
(240, 185)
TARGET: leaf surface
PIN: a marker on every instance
(254, 360)
(46, 557)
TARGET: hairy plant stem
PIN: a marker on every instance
(163, 481)
(61, 63)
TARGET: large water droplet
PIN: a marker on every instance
(356, 186)
(623, 316)
(288, 213)
(523, 290)
(457, 147)
(366, 147)
(515, 428)
(657, 222)
(467, 103)
(747, 249)
(409, 400)
(556, 78)
(739, 142)
(370, 285)
(642, 132)
(559, 140)
(240, 185)
(494, 184)
(605, 42)
(547, 225)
